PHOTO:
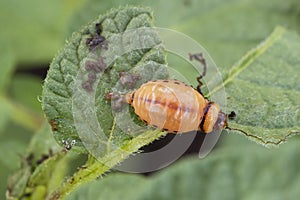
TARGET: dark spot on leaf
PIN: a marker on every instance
(42, 159)
(91, 77)
(87, 86)
(29, 159)
(117, 101)
(53, 124)
(98, 28)
(187, 2)
(96, 66)
(71, 181)
(232, 115)
(128, 80)
(96, 41)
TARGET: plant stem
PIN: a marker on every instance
(102, 165)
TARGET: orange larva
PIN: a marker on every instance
(175, 107)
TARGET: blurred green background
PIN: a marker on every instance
(33, 31)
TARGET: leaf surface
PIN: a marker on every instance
(264, 91)
(225, 174)
(227, 29)
(59, 85)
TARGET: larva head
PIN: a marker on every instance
(214, 119)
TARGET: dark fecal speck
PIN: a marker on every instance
(87, 86)
(96, 41)
(232, 115)
(53, 124)
(96, 66)
(89, 65)
(128, 79)
(98, 28)
(42, 159)
(91, 77)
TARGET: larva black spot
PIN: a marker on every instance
(166, 81)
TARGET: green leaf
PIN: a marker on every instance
(227, 29)
(17, 183)
(38, 165)
(14, 140)
(237, 172)
(42, 143)
(204, 21)
(263, 89)
(61, 80)
(59, 92)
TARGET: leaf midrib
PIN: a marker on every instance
(250, 57)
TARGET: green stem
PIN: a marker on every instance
(100, 166)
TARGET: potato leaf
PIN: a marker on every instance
(225, 174)
(264, 91)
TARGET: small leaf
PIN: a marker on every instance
(14, 140)
(225, 174)
(38, 164)
(263, 90)
(42, 144)
(17, 183)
